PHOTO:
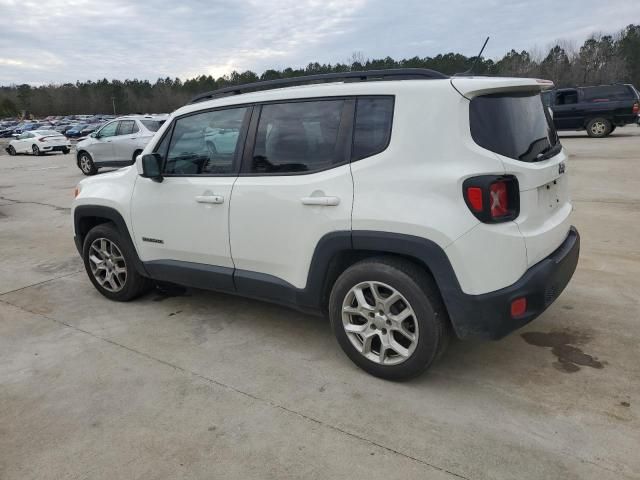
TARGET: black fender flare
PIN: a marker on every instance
(421, 250)
(111, 215)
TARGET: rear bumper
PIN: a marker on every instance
(56, 148)
(489, 315)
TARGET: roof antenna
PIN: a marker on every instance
(470, 71)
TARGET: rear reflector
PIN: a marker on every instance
(518, 307)
(636, 108)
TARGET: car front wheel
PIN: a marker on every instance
(109, 262)
(388, 317)
(85, 162)
(11, 150)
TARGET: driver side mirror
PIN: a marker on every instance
(152, 166)
(94, 135)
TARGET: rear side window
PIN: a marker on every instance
(152, 125)
(373, 126)
(298, 137)
(516, 125)
(608, 93)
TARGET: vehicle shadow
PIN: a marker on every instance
(613, 135)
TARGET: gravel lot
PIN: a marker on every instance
(212, 386)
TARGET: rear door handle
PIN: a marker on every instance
(210, 199)
(324, 201)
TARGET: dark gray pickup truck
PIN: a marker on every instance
(598, 110)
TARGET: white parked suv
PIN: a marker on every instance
(406, 205)
(117, 143)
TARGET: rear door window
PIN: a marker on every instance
(516, 125)
(298, 137)
(127, 127)
(373, 126)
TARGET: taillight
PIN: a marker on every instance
(474, 195)
(499, 206)
(491, 198)
(636, 108)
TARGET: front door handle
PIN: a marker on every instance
(324, 201)
(210, 199)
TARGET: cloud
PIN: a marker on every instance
(67, 40)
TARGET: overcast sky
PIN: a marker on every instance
(57, 41)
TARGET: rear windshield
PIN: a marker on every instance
(152, 125)
(608, 93)
(516, 125)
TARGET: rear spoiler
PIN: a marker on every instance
(470, 87)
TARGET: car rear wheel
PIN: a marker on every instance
(388, 317)
(109, 262)
(598, 127)
(11, 150)
(85, 162)
(36, 150)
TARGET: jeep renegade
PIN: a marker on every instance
(406, 205)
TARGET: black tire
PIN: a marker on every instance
(65, 151)
(613, 129)
(420, 291)
(85, 164)
(135, 155)
(598, 127)
(36, 150)
(134, 284)
(11, 150)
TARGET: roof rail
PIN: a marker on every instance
(363, 76)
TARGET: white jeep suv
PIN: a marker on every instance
(406, 205)
(117, 143)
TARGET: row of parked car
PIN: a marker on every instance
(116, 143)
(72, 126)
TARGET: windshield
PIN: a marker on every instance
(516, 125)
(152, 125)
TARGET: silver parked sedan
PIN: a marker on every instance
(117, 143)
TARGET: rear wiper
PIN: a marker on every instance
(548, 152)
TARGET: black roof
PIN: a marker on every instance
(364, 76)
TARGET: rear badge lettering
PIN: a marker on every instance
(561, 168)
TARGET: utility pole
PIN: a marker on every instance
(113, 100)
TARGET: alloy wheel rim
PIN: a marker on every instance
(380, 323)
(598, 128)
(35, 149)
(84, 164)
(108, 265)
